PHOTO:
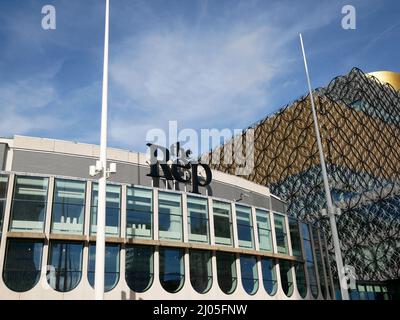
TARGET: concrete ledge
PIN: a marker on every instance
(28, 235)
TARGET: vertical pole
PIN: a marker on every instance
(101, 208)
(331, 210)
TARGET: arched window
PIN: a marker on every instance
(66, 259)
(226, 272)
(200, 270)
(269, 275)
(286, 277)
(301, 279)
(139, 272)
(172, 272)
(111, 276)
(22, 264)
(248, 267)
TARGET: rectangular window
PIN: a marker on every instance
(244, 226)
(222, 223)
(139, 213)
(169, 216)
(68, 206)
(295, 237)
(113, 208)
(29, 204)
(198, 219)
(3, 198)
(281, 233)
(264, 230)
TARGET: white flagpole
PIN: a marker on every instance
(331, 210)
(101, 208)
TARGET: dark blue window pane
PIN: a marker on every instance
(226, 272)
(286, 277)
(200, 270)
(22, 264)
(269, 275)
(248, 266)
(66, 258)
(111, 276)
(139, 267)
(172, 273)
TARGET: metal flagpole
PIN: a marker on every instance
(101, 208)
(331, 209)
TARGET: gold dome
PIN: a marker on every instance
(393, 78)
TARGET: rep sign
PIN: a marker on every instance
(180, 169)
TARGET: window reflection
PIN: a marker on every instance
(111, 272)
(170, 216)
(222, 223)
(264, 230)
(139, 272)
(22, 264)
(198, 219)
(66, 259)
(139, 213)
(200, 270)
(113, 206)
(29, 204)
(269, 275)
(244, 226)
(172, 274)
(226, 272)
(248, 267)
(68, 206)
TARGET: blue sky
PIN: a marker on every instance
(207, 64)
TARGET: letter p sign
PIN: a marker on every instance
(49, 20)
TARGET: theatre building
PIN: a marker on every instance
(233, 240)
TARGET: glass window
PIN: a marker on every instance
(22, 264)
(139, 213)
(3, 198)
(198, 219)
(222, 223)
(244, 226)
(172, 273)
(248, 267)
(169, 216)
(318, 258)
(29, 204)
(312, 277)
(113, 207)
(280, 233)
(111, 271)
(226, 272)
(264, 230)
(269, 275)
(200, 270)
(139, 272)
(286, 277)
(295, 237)
(66, 259)
(301, 279)
(325, 255)
(68, 206)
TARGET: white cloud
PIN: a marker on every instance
(204, 78)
